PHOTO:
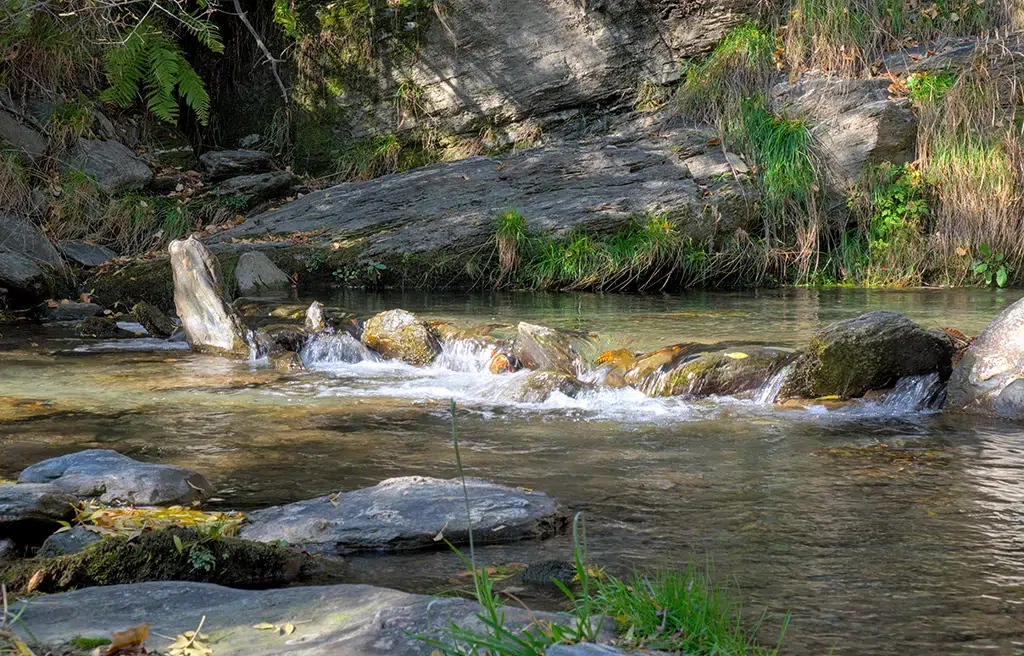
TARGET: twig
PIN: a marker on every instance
(196, 634)
(266, 52)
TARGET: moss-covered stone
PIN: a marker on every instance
(399, 335)
(157, 557)
(674, 371)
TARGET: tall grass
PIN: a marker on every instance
(683, 612)
(743, 64)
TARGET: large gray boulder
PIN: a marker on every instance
(86, 254)
(31, 512)
(18, 271)
(991, 368)
(329, 620)
(112, 478)
(857, 122)
(872, 351)
(255, 272)
(210, 323)
(400, 335)
(114, 167)
(220, 164)
(451, 207)
(21, 237)
(543, 348)
(406, 513)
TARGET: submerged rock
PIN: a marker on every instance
(102, 328)
(210, 324)
(153, 320)
(538, 386)
(677, 370)
(400, 335)
(992, 364)
(157, 556)
(873, 351)
(539, 347)
(401, 514)
(31, 512)
(113, 478)
(335, 619)
(255, 272)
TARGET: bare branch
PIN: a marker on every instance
(266, 52)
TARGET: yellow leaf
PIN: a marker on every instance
(737, 355)
(289, 629)
(263, 626)
(123, 640)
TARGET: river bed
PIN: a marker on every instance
(916, 547)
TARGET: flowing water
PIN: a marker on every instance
(883, 527)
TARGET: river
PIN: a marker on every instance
(912, 548)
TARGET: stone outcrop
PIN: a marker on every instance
(986, 378)
(857, 122)
(112, 478)
(451, 207)
(400, 335)
(401, 514)
(114, 167)
(18, 136)
(28, 513)
(543, 348)
(255, 273)
(210, 323)
(869, 352)
(221, 164)
(258, 186)
(86, 254)
(335, 619)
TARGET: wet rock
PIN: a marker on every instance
(68, 542)
(67, 310)
(538, 386)
(545, 573)
(407, 513)
(315, 320)
(153, 320)
(860, 124)
(337, 619)
(282, 337)
(86, 254)
(220, 164)
(285, 361)
(156, 556)
(677, 370)
(1010, 402)
(210, 324)
(501, 363)
(869, 352)
(324, 348)
(993, 362)
(113, 478)
(31, 512)
(20, 137)
(260, 186)
(99, 327)
(616, 364)
(539, 347)
(114, 167)
(255, 272)
(400, 335)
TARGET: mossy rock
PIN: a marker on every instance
(869, 352)
(156, 556)
(148, 281)
(399, 335)
(675, 371)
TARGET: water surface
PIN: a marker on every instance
(919, 551)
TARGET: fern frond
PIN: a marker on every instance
(204, 30)
(192, 89)
(125, 67)
(164, 72)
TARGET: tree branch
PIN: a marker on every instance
(266, 52)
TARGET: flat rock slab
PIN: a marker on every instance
(86, 254)
(113, 478)
(408, 513)
(31, 512)
(353, 620)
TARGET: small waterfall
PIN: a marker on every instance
(912, 393)
(339, 348)
(466, 355)
(769, 391)
(257, 350)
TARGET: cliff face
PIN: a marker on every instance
(511, 68)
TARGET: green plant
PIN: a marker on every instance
(316, 260)
(650, 96)
(201, 558)
(926, 87)
(147, 58)
(991, 267)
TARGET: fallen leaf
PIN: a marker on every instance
(128, 639)
(263, 626)
(289, 629)
(36, 580)
(737, 355)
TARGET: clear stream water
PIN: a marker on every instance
(917, 551)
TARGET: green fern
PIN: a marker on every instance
(148, 59)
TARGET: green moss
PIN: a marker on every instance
(172, 555)
(81, 642)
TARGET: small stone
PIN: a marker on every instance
(400, 335)
(153, 320)
(66, 310)
(220, 164)
(68, 542)
(315, 320)
(256, 272)
(540, 347)
(103, 328)
(86, 254)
